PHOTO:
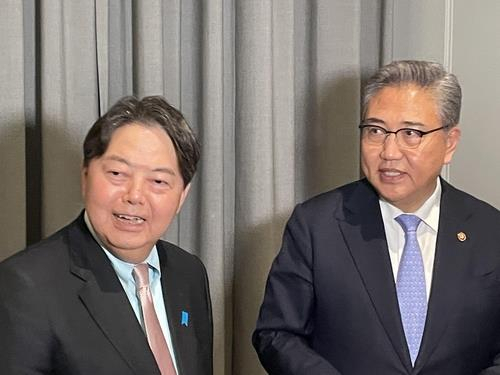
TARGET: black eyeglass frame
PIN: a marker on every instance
(386, 132)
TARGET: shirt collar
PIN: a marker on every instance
(122, 268)
(428, 212)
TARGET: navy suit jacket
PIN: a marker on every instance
(330, 305)
(64, 311)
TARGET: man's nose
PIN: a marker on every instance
(390, 148)
(135, 192)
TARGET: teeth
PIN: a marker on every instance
(135, 219)
(391, 173)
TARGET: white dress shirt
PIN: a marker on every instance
(426, 233)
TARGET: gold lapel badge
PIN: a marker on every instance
(461, 236)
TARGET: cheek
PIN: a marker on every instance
(164, 208)
(369, 159)
(424, 169)
(414, 160)
(99, 192)
(427, 161)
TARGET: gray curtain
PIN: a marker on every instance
(271, 87)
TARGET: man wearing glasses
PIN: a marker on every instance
(398, 273)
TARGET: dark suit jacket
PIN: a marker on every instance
(64, 311)
(330, 305)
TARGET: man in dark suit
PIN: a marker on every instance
(104, 295)
(398, 273)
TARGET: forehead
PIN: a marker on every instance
(404, 103)
(142, 145)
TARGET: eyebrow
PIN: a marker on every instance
(382, 122)
(126, 162)
(373, 120)
(413, 123)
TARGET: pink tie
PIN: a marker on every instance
(154, 334)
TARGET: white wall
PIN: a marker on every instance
(463, 35)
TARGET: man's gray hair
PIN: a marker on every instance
(428, 75)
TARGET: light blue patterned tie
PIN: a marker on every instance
(410, 286)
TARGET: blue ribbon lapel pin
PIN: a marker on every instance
(184, 318)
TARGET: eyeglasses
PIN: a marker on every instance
(405, 137)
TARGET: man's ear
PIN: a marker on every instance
(452, 139)
(183, 197)
(83, 180)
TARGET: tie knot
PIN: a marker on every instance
(408, 222)
(141, 275)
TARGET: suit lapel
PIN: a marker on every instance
(453, 261)
(362, 227)
(105, 300)
(175, 297)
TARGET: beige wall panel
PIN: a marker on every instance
(12, 162)
(418, 29)
(476, 61)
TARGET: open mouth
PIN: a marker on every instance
(130, 218)
(391, 173)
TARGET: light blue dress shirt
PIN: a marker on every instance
(124, 272)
